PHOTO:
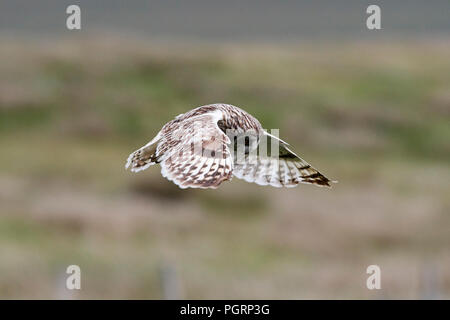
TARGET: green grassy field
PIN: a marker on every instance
(373, 116)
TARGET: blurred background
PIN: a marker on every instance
(368, 108)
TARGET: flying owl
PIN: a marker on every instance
(212, 143)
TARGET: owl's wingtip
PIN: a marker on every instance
(330, 183)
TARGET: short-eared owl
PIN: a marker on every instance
(200, 149)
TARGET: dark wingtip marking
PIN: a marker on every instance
(288, 156)
(318, 179)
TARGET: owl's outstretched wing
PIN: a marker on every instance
(195, 153)
(279, 169)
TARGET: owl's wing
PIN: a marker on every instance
(279, 169)
(196, 153)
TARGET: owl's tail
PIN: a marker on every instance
(144, 157)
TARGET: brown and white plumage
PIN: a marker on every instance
(200, 149)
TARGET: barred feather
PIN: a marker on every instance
(286, 169)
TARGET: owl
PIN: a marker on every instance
(210, 144)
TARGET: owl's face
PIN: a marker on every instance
(243, 143)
